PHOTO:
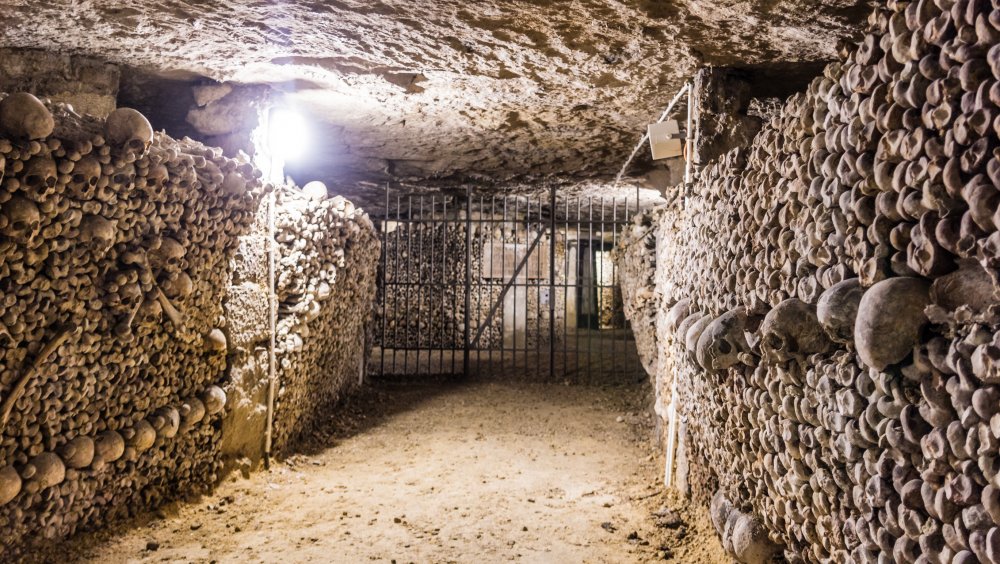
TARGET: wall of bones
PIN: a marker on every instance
(827, 303)
(328, 256)
(117, 253)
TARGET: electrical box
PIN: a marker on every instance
(665, 140)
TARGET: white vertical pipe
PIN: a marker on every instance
(688, 136)
(272, 304)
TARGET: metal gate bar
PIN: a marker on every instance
(550, 311)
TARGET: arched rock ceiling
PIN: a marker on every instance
(448, 88)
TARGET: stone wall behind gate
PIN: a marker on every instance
(827, 305)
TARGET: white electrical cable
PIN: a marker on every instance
(645, 136)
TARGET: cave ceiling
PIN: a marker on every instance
(486, 91)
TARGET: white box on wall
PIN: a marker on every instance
(665, 139)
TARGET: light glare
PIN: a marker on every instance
(288, 135)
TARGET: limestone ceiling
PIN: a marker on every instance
(448, 89)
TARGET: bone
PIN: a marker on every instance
(22, 116)
(890, 318)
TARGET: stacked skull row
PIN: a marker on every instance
(114, 247)
(327, 255)
(835, 285)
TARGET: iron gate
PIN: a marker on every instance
(480, 284)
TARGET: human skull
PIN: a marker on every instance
(890, 319)
(791, 330)
(129, 130)
(22, 116)
(178, 287)
(39, 174)
(23, 219)
(192, 411)
(838, 307)
(109, 446)
(166, 421)
(214, 400)
(143, 436)
(98, 234)
(722, 341)
(124, 177)
(170, 253)
(45, 470)
(157, 177)
(78, 453)
(10, 484)
(315, 190)
(86, 175)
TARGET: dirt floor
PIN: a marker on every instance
(442, 472)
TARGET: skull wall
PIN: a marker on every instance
(327, 261)
(114, 254)
(828, 306)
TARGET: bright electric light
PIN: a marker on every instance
(288, 135)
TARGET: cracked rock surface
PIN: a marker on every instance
(450, 89)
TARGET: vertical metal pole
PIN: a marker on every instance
(385, 276)
(493, 246)
(396, 272)
(431, 289)
(565, 289)
(407, 286)
(593, 291)
(552, 283)
(503, 255)
(468, 281)
(627, 326)
(614, 303)
(578, 283)
(600, 295)
(421, 227)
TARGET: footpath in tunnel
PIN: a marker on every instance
(442, 472)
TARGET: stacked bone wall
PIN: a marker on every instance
(425, 286)
(113, 265)
(425, 265)
(635, 260)
(327, 259)
(828, 306)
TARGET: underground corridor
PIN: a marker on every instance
(590, 281)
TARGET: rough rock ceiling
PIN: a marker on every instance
(448, 89)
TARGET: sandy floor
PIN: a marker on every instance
(475, 472)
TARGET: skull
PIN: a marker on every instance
(791, 330)
(837, 309)
(22, 116)
(890, 320)
(129, 130)
(166, 421)
(98, 234)
(23, 219)
(143, 435)
(214, 400)
(86, 175)
(78, 453)
(722, 342)
(124, 176)
(109, 446)
(178, 287)
(44, 470)
(192, 411)
(169, 254)
(157, 178)
(10, 484)
(40, 175)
